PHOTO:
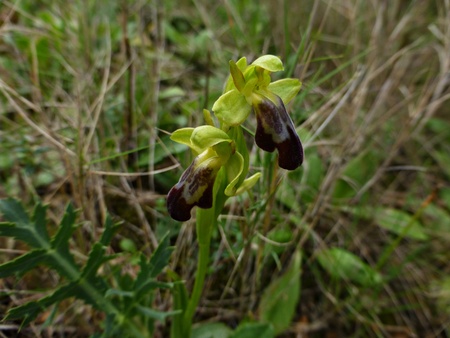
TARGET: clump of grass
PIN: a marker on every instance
(90, 91)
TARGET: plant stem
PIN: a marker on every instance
(205, 223)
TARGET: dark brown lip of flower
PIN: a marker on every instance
(281, 136)
(179, 208)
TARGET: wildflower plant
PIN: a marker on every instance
(221, 164)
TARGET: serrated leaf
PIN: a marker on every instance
(40, 223)
(279, 300)
(342, 264)
(29, 311)
(160, 258)
(23, 263)
(401, 223)
(20, 226)
(108, 232)
(211, 330)
(14, 211)
(96, 259)
(65, 231)
(253, 330)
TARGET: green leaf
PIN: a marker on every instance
(95, 260)
(23, 263)
(254, 330)
(440, 219)
(180, 301)
(29, 311)
(232, 108)
(268, 62)
(211, 330)
(341, 264)
(40, 223)
(158, 261)
(286, 89)
(401, 223)
(20, 226)
(313, 171)
(154, 314)
(279, 300)
(357, 172)
(14, 212)
(65, 231)
(108, 232)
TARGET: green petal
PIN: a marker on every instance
(242, 66)
(204, 137)
(238, 77)
(249, 88)
(271, 63)
(287, 89)
(234, 168)
(248, 183)
(242, 63)
(183, 136)
(232, 108)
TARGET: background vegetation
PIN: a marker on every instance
(90, 90)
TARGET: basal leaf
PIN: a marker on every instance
(342, 264)
(400, 223)
(254, 330)
(211, 330)
(180, 301)
(313, 170)
(357, 172)
(279, 300)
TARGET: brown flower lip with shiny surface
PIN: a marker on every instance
(195, 188)
(275, 130)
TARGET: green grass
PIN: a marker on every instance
(91, 90)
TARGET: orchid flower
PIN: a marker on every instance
(250, 89)
(216, 150)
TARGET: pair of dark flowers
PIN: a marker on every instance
(248, 89)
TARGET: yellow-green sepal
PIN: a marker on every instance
(206, 136)
(269, 62)
(232, 108)
(234, 169)
(286, 89)
(183, 136)
(248, 183)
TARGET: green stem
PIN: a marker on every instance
(205, 224)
